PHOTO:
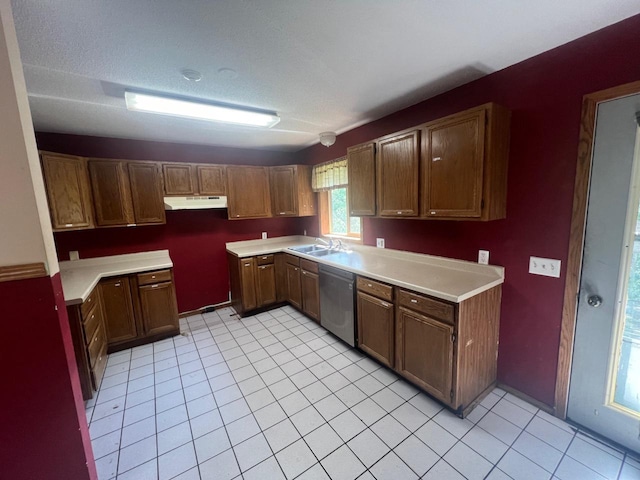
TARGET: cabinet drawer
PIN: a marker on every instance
(308, 265)
(292, 259)
(154, 277)
(98, 369)
(428, 306)
(98, 343)
(374, 288)
(265, 259)
(91, 324)
(89, 303)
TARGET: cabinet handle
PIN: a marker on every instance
(131, 224)
(436, 159)
(68, 224)
(399, 213)
(262, 268)
(303, 272)
(89, 300)
(369, 285)
(93, 316)
(384, 304)
(154, 286)
(296, 269)
(264, 258)
(117, 284)
(432, 213)
(153, 276)
(247, 264)
(282, 213)
(413, 300)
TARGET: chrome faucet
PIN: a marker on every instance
(322, 240)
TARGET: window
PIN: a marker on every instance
(338, 222)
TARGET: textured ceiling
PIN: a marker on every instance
(321, 64)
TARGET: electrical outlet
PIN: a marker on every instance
(483, 257)
(74, 255)
(380, 242)
(305, 232)
(264, 235)
(544, 266)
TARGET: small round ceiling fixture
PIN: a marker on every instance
(191, 75)
(328, 138)
(227, 73)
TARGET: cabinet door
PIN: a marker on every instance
(178, 179)
(282, 291)
(118, 310)
(361, 161)
(68, 191)
(111, 192)
(293, 286)
(266, 284)
(376, 328)
(248, 192)
(248, 283)
(146, 193)
(310, 284)
(158, 308)
(424, 352)
(283, 191)
(211, 180)
(452, 161)
(397, 175)
(307, 198)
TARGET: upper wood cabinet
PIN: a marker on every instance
(68, 191)
(146, 192)
(248, 192)
(291, 193)
(211, 179)
(126, 193)
(464, 165)
(178, 179)
(111, 192)
(398, 164)
(361, 164)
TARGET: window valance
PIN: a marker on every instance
(330, 175)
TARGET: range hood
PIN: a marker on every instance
(194, 203)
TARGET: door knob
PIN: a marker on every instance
(594, 301)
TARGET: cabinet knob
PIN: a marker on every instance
(432, 213)
(296, 269)
(93, 316)
(153, 276)
(303, 272)
(89, 300)
(369, 285)
(413, 300)
(117, 284)
(399, 213)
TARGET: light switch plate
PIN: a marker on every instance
(483, 257)
(544, 266)
(380, 242)
(264, 235)
(74, 255)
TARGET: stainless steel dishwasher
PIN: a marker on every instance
(337, 303)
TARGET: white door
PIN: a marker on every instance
(604, 392)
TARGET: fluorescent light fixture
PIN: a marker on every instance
(144, 102)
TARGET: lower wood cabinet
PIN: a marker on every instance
(310, 289)
(86, 322)
(139, 308)
(376, 329)
(118, 303)
(294, 287)
(253, 282)
(425, 352)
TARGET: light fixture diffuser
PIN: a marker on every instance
(144, 102)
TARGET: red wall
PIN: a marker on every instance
(544, 94)
(196, 243)
(44, 430)
(195, 239)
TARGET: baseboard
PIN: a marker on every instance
(201, 310)
(523, 396)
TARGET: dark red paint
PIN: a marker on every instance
(544, 94)
(44, 429)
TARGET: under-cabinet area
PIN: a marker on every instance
(443, 339)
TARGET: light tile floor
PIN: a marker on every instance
(275, 396)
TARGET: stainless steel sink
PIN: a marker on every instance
(316, 250)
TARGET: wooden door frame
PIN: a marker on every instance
(576, 239)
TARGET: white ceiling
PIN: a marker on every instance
(321, 64)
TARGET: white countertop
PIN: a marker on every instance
(445, 278)
(79, 277)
